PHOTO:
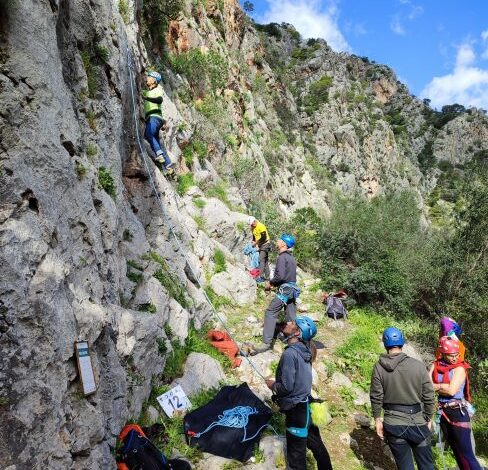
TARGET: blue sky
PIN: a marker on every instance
(439, 48)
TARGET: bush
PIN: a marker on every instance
(376, 250)
(318, 94)
(106, 182)
(219, 261)
(124, 10)
(185, 182)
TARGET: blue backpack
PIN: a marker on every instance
(335, 308)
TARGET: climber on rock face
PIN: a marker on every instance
(284, 279)
(153, 99)
(260, 239)
(291, 391)
(400, 385)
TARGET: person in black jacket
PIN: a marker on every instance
(284, 279)
(291, 391)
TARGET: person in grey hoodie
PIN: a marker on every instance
(284, 280)
(291, 391)
(401, 388)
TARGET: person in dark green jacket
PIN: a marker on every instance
(402, 390)
(153, 100)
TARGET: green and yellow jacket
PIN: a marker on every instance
(153, 100)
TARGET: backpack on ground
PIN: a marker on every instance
(139, 453)
(334, 308)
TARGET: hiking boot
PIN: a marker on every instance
(260, 348)
(169, 170)
(159, 161)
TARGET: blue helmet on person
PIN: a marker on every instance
(288, 239)
(307, 328)
(393, 337)
(155, 75)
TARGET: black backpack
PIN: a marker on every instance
(335, 308)
(139, 453)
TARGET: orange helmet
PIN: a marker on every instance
(448, 345)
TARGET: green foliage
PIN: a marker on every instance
(377, 250)
(87, 59)
(439, 119)
(200, 222)
(124, 10)
(218, 301)
(185, 182)
(170, 281)
(219, 261)
(426, 157)
(272, 29)
(106, 182)
(196, 148)
(397, 121)
(92, 121)
(305, 53)
(205, 72)
(127, 236)
(318, 94)
(102, 53)
(199, 203)
(219, 191)
(149, 308)
(91, 150)
(80, 170)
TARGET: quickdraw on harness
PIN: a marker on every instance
(288, 291)
(301, 432)
(237, 417)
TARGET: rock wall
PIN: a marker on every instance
(85, 251)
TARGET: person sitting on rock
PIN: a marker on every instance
(260, 240)
(153, 99)
(451, 382)
(401, 388)
(284, 279)
(291, 391)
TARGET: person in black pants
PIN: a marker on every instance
(292, 389)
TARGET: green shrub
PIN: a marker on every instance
(106, 182)
(80, 170)
(124, 10)
(170, 281)
(185, 182)
(218, 301)
(318, 94)
(91, 150)
(199, 203)
(149, 308)
(219, 261)
(102, 53)
(219, 191)
(88, 65)
(200, 221)
(196, 148)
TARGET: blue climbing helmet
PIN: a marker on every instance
(393, 337)
(288, 239)
(307, 327)
(155, 75)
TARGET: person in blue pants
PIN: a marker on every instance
(153, 99)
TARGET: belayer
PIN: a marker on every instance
(451, 382)
(291, 391)
(153, 100)
(285, 281)
(402, 390)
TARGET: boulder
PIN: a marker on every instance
(178, 320)
(340, 380)
(363, 420)
(235, 284)
(200, 372)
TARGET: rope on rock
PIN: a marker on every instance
(145, 157)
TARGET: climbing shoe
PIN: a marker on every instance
(260, 348)
(169, 171)
(159, 161)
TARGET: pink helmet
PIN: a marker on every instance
(448, 345)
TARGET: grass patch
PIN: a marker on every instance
(200, 221)
(91, 150)
(80, 170)
(106, 182)
(149, 308)
(185, 182)
(170, 281)
(124, 10)
(91, 78)
(219, 261)
(219, 191)
(217, 300)
(199, 203)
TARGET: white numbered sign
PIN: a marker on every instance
(85, 367)
(174, 400)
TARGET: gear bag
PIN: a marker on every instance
(230, 425)
(335, 308)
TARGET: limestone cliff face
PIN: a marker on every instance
(85, 251)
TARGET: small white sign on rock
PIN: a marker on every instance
(174, 400)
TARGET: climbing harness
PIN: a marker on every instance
(163, 210)
(237, 417)
(288, 291)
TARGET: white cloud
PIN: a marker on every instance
(466, 84)
(484, 36)
(310, 18)
(396, 26)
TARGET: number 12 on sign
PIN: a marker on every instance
(174, 400)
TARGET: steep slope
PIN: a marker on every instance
(259, 118)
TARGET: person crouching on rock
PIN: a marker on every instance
(400, 385)
(451, 382)
(153, 99)
(284, 279)
(291, 391)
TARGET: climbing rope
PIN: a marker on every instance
(145, 157)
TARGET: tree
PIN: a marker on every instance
(248, 7)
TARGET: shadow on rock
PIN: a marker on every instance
(370, 449)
